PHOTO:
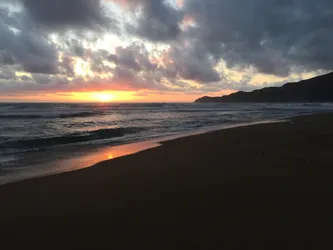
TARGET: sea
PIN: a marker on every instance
(45, 138)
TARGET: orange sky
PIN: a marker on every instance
(107, 96)
(135, 51)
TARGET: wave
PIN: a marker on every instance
(317, 105)
(194, 110)
(70, 139)
(79, 114)
(4, 138)
(68, 115)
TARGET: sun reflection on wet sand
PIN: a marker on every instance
(85, 158)
(108, 153)
(80, 160)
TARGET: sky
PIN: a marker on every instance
(158, 50)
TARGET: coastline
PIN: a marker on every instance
(89, 158)
(265, 186)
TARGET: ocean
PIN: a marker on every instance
(36, 138)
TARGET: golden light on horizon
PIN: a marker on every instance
(103, 97)
(108, 96)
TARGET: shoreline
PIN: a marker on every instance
(267, 186)
(101, 154)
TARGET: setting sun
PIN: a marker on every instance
(103, 97)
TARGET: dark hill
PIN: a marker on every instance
(317, 89)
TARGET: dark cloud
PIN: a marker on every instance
(126, 58)
(97, 62)
(158, 21)
(7, 74)
(191, 63)
(35, 53)
(79, 50)
(135, 57)
(6, 58)
(42, 79)
(24, 46)
(273, 36)
(66, 66)
(60, 14)
(134, 67)
(179, 62)
(43, 67)
(7, 35)
(277, 37)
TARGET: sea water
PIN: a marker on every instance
(39, 134)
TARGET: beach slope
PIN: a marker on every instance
(266, 186)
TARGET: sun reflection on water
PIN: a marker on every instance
(80, 161)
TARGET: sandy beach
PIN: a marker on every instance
(266, 186)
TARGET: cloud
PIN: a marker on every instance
(191, 63)
(135, 62)
(164, 45)
(134, 56)
(272, 36)
(27, 47)
(7, 74)
(158, 21)
(6, 58)
(60, 14)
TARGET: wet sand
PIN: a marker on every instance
(70, 161)
(266, 186)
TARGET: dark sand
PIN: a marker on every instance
(267, 186)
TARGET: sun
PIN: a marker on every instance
(103, 97)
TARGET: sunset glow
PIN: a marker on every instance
(137, 51)
(103, 97)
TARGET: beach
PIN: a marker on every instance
(265, 186)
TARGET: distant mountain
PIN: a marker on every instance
(317, 89)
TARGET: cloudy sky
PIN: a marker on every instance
(158, 50)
